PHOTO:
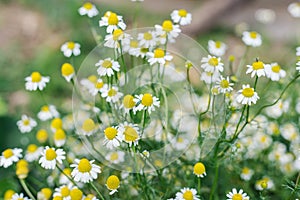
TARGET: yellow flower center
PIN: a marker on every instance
(134, 44)
(57, 198)
(45, 108)
(32, 148)
(182, 13)
(263, 139)
(245, 170)
(46, 192)
(147, 99)
(107, 64)
(67, 69)
(213, 61)
(71, 45)
(114, 156)
(147, 36)
(113, 19)
(188, 195)
(224, 83)
(26, 122)
(248, 92)
(88, 6)
(99, 85)
(8, 153)
(117, 34)
(36, 77)
(84, 165)
(167, 26)
(276, 68)
(158, 163)
(50, 154)
(180, 140)
(218, 44)
(59, 135)
(237, 197)
(93, 78)
(128, 101)
(112, 93)
(110, 133)
(113, 182)
(88, 125)
(22, 163)
(8, 194)
(56, 123)
(42, 135)
(130, 134)
(258, 65)
(199, 168)
(67, 171)
(76, 194)
(159, 53)
(253, 35)
(65, 191)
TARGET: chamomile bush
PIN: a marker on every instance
(156, 116)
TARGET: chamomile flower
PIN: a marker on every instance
(212, 64)
(63, 191)
(199, 169)
(147, 39)
(112, 183)
(112, 21)
(252, 39)
(88, 9)
(50, 156)
(33, 152)
(246, 173)
(85, 171)
(76, 194)
(168, 31)
(145, 154)
(210, 77)
(145, 102)
(298, 51)
(128, 103)
(36, 81)
(247, 95)
(111, 94)
(142, 52)
(294, 9)
(9, 156)
(116, 39)
(107, 67)
(67, 71)
(187, 193)
(47, 112)
(70, 48)
(88, 127)
(20, 196)
(60, 138)
(264, 183)
(56, 124)
(180, 142)
(112, 137)
(26, 124)
(115, 157)
(216, 48)
(256, 69)
(159, 56)
(90, 197)
(129, 133)
(224, 85)
(181, 17)
(274, 72)
(8, 194)
(131, 46)
(240, 195)
(44, 194)
(42, 135)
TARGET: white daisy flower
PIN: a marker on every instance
(33, 152)
(252, 38)
(70, 48)
(116, 38)
(142, 52)
(9, 156)
(112, 183)
(224, 85)
(212, 64)
(145, 154)
(63, 191)
(294, 9)
(85, 171)
(47, 112)
(181, 17)
(131, 46)
(265, 181)
(180, 142)
(115, 157)
(111, 94)
(298, 51)
(199, 170)
(298, 66)
(59, 138)
(159, 56)
(50, 156)
(187, 193)
(88, 9)
(112, 21)
(93, 84)
(247, 95)
(237, 195)
(20, 196)
(168, 31)
(274, 72)
(113, 137)
(246, 174)
(256, 69)
(26, 124)
(128, 103)
(88, 127)
(107, 67)
(216, 48)
(145, 102)
(210, 77)
(67, 71)
(147, 39)
(129, 133)
(36, 81)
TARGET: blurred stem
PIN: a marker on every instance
(215, 183)
(123, 63)
(68, 177)
(23, 183)
(242, 62)
(199, 185)
(96, 190)
(144, 121)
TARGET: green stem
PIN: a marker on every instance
(144, 121)
(215, 181)
(96, 190)
(66, 175)
(123, 63)
(23, 183)
(199, 185)
(242, 62)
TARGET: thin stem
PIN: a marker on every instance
(22, 181)
(123, 63)
(66, 175)
(96, 190)
(215, 182)
(144, 121)
(199, 185)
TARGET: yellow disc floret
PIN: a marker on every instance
(42, 135)
(182, 13)
(50, 154)
(128, 101)
(147, 99)
(113, 182)
(59, 135)
(84, 165)
(130, 134)
(213, 61)
(88, 125)
(188, 195)
(199, 168)
(113, 19)
(71, 45)
(76, 194)
(8, 153)
(67, 69)
(88, 6)
(248, 92)
(36, 77)
(258, 65)
(167, 26)
(159, 53)
(237, 197)
(110, 133)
